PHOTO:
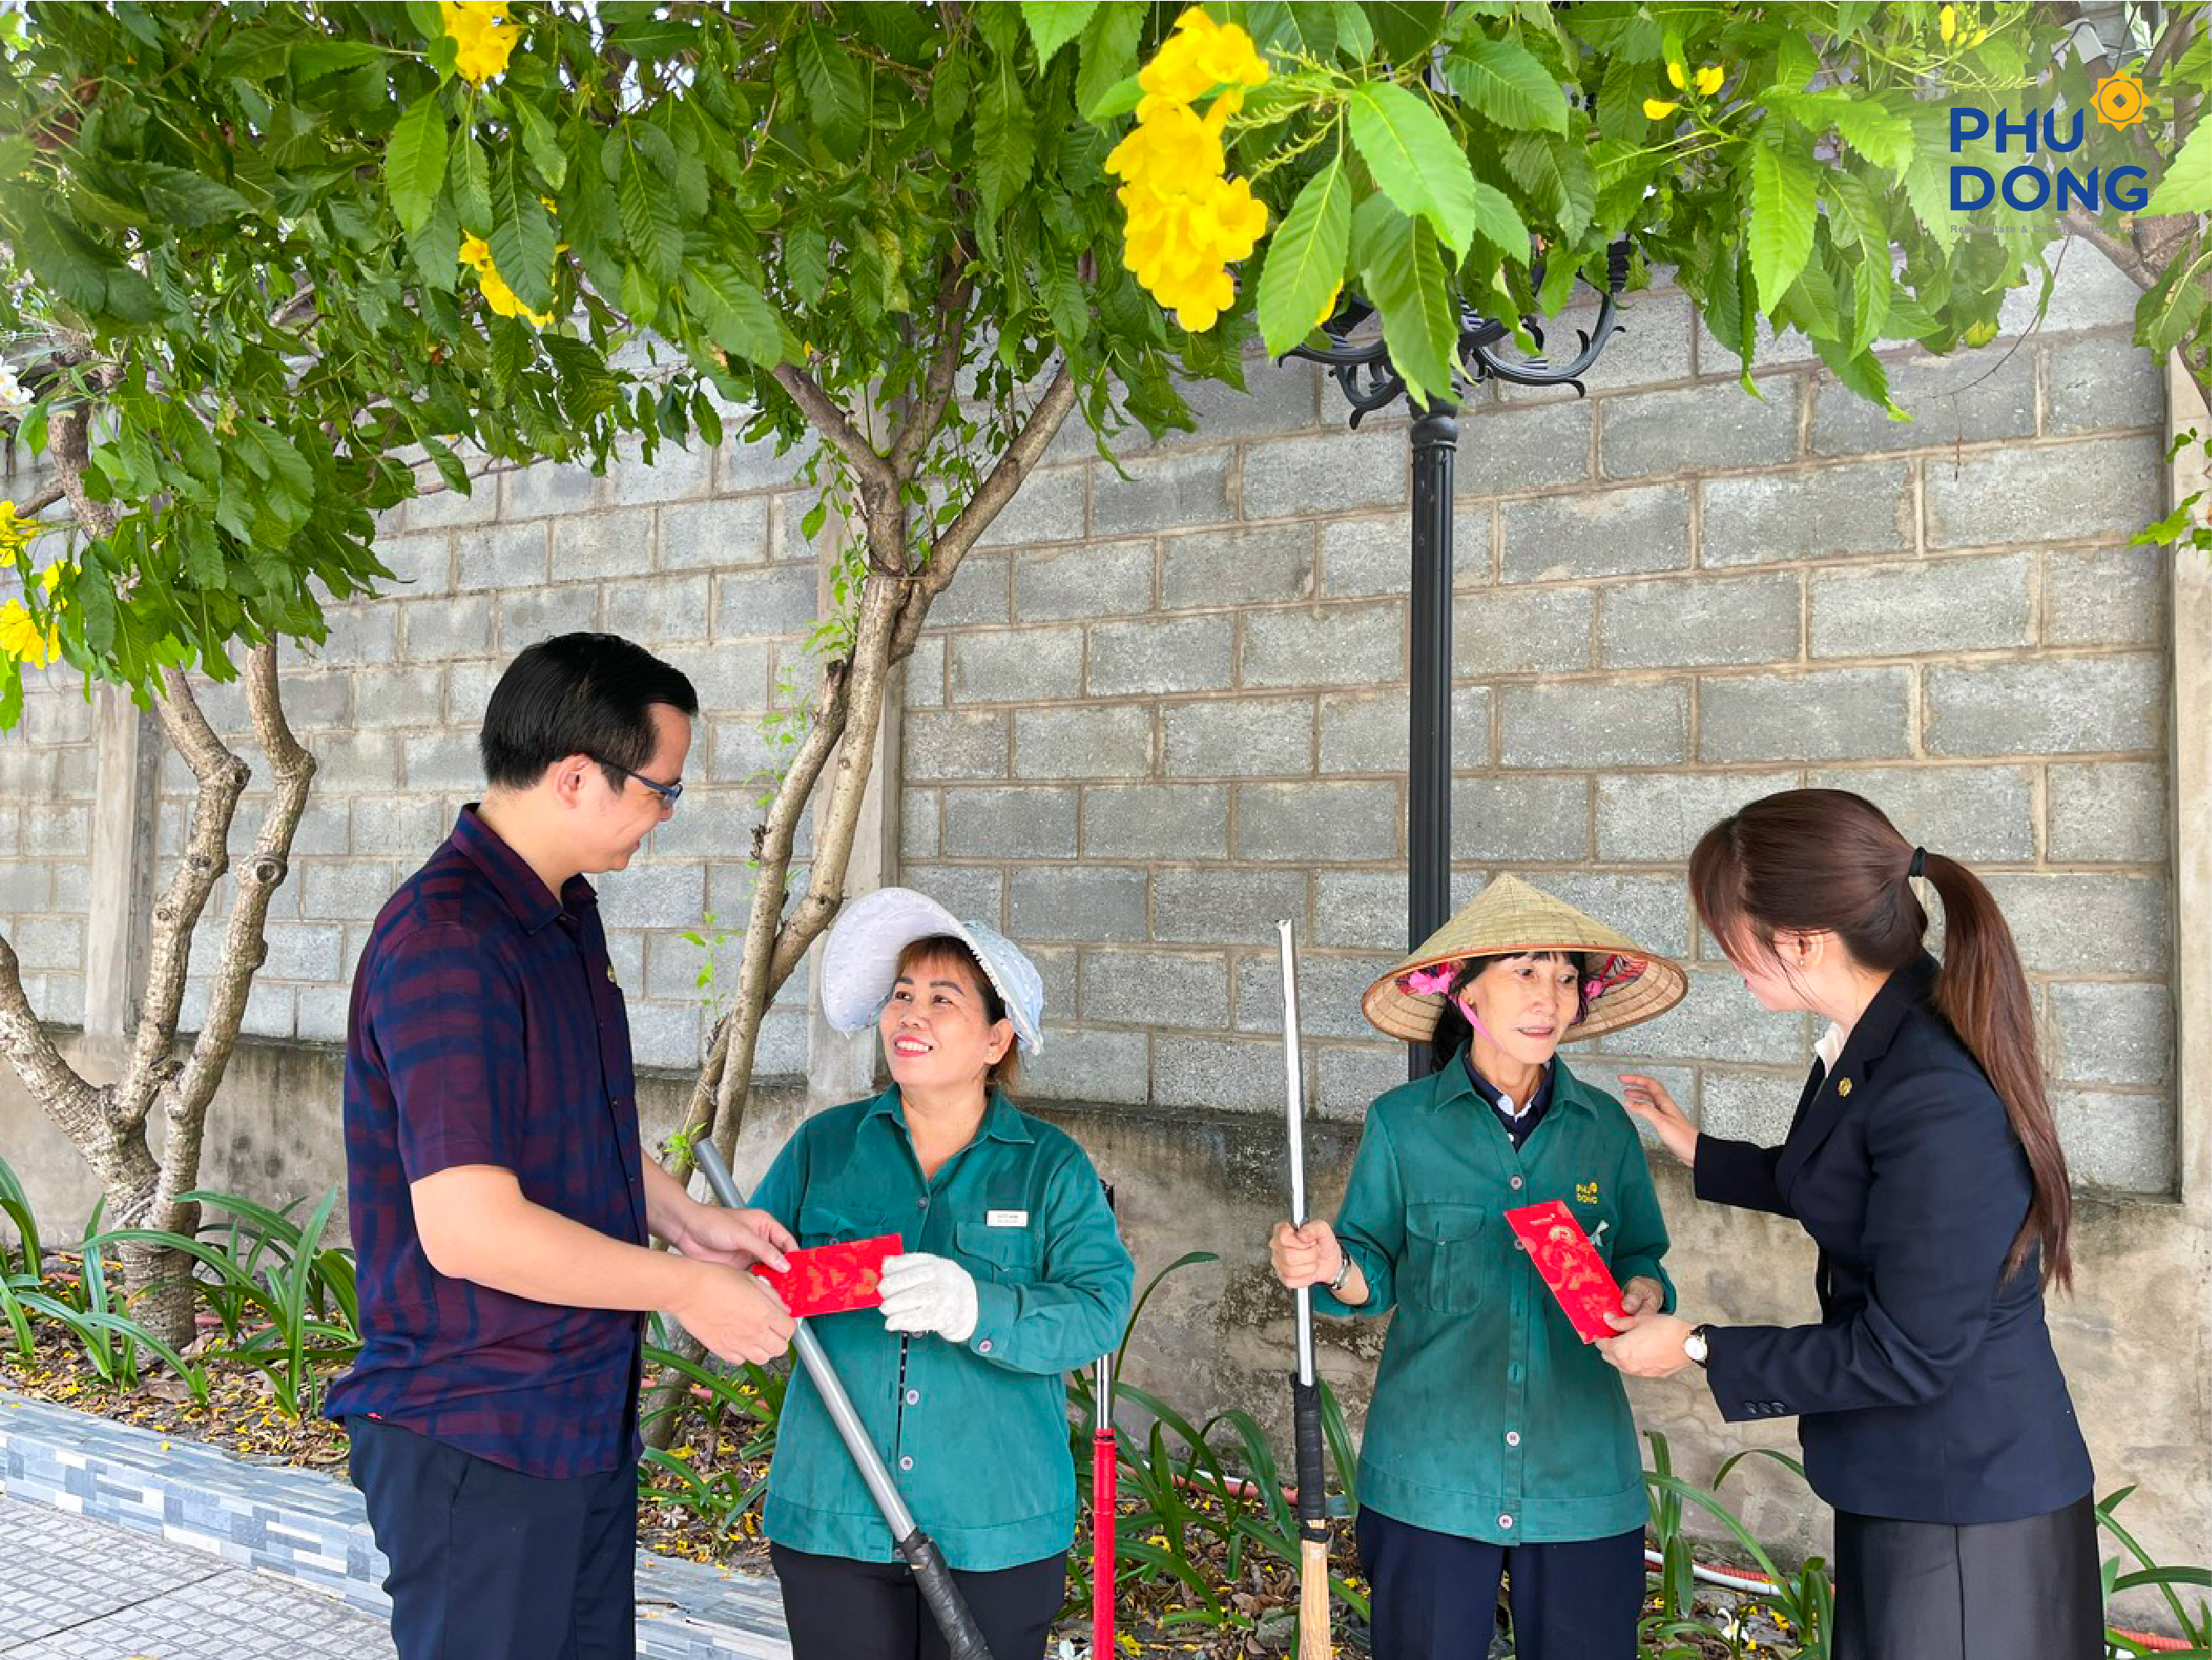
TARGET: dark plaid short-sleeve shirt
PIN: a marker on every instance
(487, 1028)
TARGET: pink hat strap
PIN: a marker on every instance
(1618, 969)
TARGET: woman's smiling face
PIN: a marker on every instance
(936, 1032)
(1526, 1004)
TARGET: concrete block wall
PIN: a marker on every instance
(692, 558)
(1165, 704)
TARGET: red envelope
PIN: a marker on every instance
(831, 1278)
(1569, 1265)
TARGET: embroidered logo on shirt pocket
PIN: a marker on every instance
(1447, 1258)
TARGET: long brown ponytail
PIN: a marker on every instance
(1829, 861)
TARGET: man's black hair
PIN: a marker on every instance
(578, 694)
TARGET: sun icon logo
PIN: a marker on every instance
(2119, 100)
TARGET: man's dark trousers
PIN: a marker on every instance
(489, 1563)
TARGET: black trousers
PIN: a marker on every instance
(489, 1563)
(1997, 1590)
(1435, 1595)
(838, 1609)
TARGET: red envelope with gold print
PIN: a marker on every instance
(831, 1278)
(1569, 1265)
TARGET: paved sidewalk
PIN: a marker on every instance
(75, 1590)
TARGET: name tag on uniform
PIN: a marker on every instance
(1006, 1218)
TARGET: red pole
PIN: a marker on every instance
(1103, 1496)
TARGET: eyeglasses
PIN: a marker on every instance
(669, 793)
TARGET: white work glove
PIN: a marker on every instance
(923, 1292)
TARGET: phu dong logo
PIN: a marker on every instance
(2044, 180)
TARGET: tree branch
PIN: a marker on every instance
(2119, 250)
(953, 296)
(39, 504)
(830, 419)
(72, 453)
(222, 778)
(37, 1059)
(245, 947)
(951, 544)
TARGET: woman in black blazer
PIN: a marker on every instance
(1923, 1162)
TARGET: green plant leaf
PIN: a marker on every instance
(181, 197)
(1401, 272)
(1306, 259)
(521, 236)
(1879, 133)
(1108, 52)
(1503, 81)
(1054, 23)
(415, 163)
(1005, 139)
(1301, 29)
(542, 143)
(2187, 187)
(1785, 189)
(836, 98)
(735, 314)
(1558, 174)
(1414, 159)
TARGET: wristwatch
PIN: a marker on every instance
(1694, 1344)
(1342, 1274)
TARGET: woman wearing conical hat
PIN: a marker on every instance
(1498, 1443)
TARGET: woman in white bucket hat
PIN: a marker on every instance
(1011, 1274)
(1498, 1443)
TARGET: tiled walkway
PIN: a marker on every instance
(75, 1589)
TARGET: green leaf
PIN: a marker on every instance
(1414, 159)
(1784, 187)
(1503, 81)
(2187, 185)
(1107, 51)
(1005, 139)
(181, 197)
(1293, 29)
(1497, 222)
(735, 314)
(1870, 290)
(522, 236)
(837, 100)
(1405, 28)
(542, 143)
(415, 163)
(1054, 23)
(1305, 260)
(1401, 272)
(1558, 174)
(649, 216)
(1879, 133)
(471, 176)
(1620, 101)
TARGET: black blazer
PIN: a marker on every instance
(1929, 1391)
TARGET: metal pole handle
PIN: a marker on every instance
(918, 1549)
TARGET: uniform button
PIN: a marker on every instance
(1519, 1243)
(983, 1347)
(1506, 1521)
(1513, 1437)
(922, 1203)
(906, 1463)
(1513, 1372)
(914, 1397)
(1517, 1184)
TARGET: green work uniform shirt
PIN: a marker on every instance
(974, 1433)
(1492, 1419)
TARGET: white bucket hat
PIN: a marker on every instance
(859, 961)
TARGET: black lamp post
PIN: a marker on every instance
(1370, 382)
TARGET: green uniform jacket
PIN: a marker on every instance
(1491, 1418)
(976, 1433)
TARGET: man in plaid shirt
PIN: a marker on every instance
(501, 1203)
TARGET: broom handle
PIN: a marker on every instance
(1305, 1394)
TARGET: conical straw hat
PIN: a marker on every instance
(1506, 919)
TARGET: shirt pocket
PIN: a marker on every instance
(1001, 1256)
(1447, 1257)
(834, 1219)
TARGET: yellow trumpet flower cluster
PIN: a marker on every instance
(21, 637)
(1187, 221)
(476, 254)
(1707, 79)
(485, 38)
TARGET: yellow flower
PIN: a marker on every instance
(1197, 56)
(1946, 23)
(1657, 109)
(1329, 309)
(15, 533)
(483, 37)
(1710, 79)
(475, 253)
(1675, 76)
(22, 638)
